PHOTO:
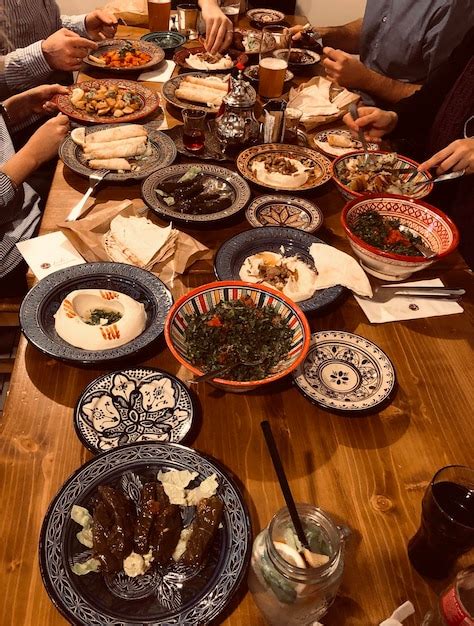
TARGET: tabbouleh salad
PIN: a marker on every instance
(385, 234)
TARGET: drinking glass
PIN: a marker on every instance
(447, 522)
(292, 120)
(231, 9)
(159, 15)
(187, 19)
(194, 129)
(273, 62)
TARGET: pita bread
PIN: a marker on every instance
(136, 239)
(338, 268)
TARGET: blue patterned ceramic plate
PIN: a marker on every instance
(163, 596)
(233, 252)
(166, 39)
(345, 372)
(42, 302)
(138, 404)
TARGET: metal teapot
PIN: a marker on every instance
(237, 125)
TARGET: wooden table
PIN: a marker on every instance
(368, 472)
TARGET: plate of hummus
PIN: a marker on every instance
(95, 313)
(198, 59)
(278, 257)
(284, 167)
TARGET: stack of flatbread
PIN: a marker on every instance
(205, 90)
(113, 148)
(321, 101)
(335, 267)
(139, 242)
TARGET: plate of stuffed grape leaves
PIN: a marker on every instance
(149, 533)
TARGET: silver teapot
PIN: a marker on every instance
(236, 125)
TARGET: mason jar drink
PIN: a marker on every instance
(285, 588)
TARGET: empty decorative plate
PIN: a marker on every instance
(345, 372)
(137, 404)
(165, 594)
(281, 210)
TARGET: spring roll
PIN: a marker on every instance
(130, 148)
(212, 83)
(109, 164)
(197, 93)
(126, 131)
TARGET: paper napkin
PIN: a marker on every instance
(48, 253)
(159, 75)
(398, 308)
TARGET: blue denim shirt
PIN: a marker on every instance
(408, 39)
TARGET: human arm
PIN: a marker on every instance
(373, 121)
(348, 71)
(36, 100)
(458, 155)
(345, 37)
(97, 24)
(219, 28)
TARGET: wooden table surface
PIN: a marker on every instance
(368, 472)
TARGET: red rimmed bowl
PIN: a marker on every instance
(435, 228)
(204, 298)
(401, 161)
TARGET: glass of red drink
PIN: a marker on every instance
(447, 522)
(194, 129)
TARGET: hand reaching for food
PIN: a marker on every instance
(458, 155)
(44, 143)
(101, 25)
(219, 29)
(375, 122)
(64, 50)
(343, 68)
(36, 100)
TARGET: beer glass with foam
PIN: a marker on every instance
(159, 15)
(273, 61)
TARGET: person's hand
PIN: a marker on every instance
(296, 31)
(64, 50)
(343, 68)
(44, 143)
(36, 100)
(375, 122)
(458, 155)
(101, 25)
(219, 29)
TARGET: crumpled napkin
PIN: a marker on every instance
(399, 615)
(398, 308)
(160, 74)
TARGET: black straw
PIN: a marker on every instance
(285, 487)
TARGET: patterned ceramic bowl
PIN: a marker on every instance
(436, 230)
(204, 298)
(401, 161)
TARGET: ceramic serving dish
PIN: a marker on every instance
(111, 45)
(284, 210)
(165, 39)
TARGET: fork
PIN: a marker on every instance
(439, 179)
(94, 180)
(355, 114)
(225, 368)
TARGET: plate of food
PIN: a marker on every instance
(384, 172)
(265, 17)
(196, 90)
(284, 167)
(129, 151)
(198, 59)
(95, 313)
(199, 194)
(125, 55)
(108, 101)
(249, 41)
(132, 405)
(166, 39)
(282, 210)
(182, 539)
(300, 58)
(345, 372)
(339, 141)
(282, 258)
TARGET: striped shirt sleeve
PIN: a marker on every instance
(76, 23)
(23, 68)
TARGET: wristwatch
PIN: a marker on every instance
(4, 114)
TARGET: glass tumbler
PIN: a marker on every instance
(287, 592)
(187, 20)
(159, 15)
(447, 522)
(194, 129)
(273, 60)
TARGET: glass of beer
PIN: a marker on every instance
(159, 15)
(273, 61)
(447, 522)
(231, 9)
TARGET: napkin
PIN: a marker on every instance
(399, 615)
(398, 308)
(159, 75)
(48, 253)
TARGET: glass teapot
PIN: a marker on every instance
(237, 125)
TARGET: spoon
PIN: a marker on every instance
(309, 557)
(424, 250)
(223, 369)
(440, 179)
(355, 114)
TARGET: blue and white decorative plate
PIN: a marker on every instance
(164, 596)
(345, 372)
(132, 405)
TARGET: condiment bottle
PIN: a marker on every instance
(455, 606)
(286, 590)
